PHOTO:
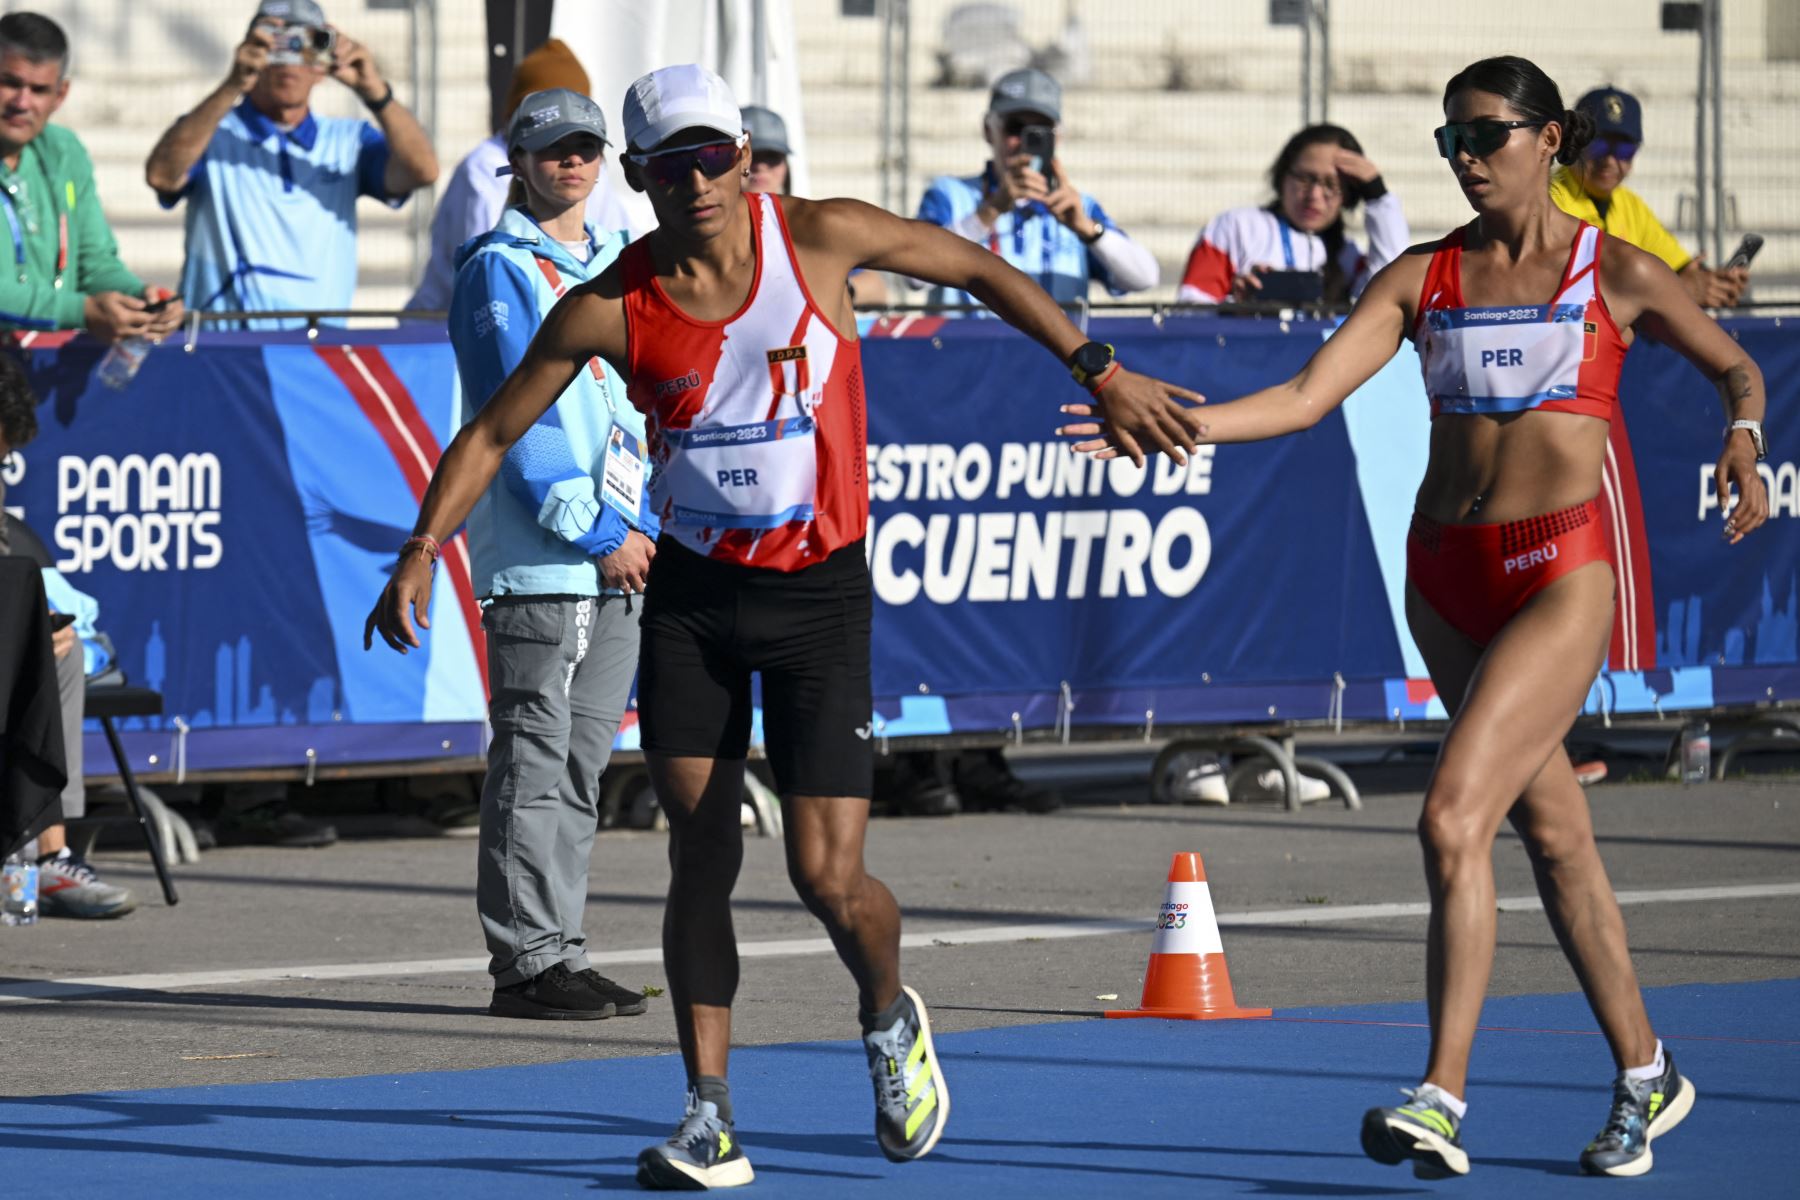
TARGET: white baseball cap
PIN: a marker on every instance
(671, 99)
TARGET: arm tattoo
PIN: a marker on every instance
(1735, 388)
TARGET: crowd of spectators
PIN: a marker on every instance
(270, 193)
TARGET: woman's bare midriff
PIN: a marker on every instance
(1489, 469)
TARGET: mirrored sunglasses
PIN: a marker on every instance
(672, 168)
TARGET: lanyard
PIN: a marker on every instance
(18, 237)
(554, 278)
(1287, 243)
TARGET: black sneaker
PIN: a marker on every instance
(271, 826)
(553, 994)
(987, 784)
(920, 787)
(1642, 1110)
(625, 1002)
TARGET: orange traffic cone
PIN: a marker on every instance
(1186, 979)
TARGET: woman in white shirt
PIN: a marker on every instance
(1319, 176)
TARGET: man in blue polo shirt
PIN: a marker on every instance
(1026, 210)
(271, 188)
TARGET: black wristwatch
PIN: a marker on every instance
(375, 106)
(1089, 362)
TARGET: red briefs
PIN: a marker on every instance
(1477, 576)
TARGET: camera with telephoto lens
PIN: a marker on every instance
(298, 44)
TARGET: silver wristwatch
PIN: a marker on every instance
(1756, 436)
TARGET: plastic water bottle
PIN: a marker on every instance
(19, 891)
(120, 366)
(1696, 753)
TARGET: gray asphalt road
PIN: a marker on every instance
(410, 901)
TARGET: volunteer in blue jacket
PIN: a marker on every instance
(562, 544)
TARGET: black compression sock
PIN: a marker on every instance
(716, 1091)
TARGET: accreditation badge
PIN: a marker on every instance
(622, 478)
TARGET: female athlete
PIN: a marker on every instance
(1521, 319)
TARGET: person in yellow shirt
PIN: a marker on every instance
(1593, 190)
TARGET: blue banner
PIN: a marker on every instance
(236, 510)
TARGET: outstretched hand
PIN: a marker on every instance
(1134, 415)
(407, 594)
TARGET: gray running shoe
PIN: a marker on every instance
(1422, 1130)
(1642, 1111)
(703, 1153)
(911, 1101)
(68, 887)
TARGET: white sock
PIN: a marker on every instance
(1431, 1091)
(1651, 1071)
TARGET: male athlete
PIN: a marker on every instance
(725, 323)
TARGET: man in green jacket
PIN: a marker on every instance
(65, 271)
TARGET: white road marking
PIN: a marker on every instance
(15, 991)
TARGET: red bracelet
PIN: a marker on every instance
(425, 541)
(1105, 377)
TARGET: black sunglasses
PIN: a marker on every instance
(671, 169)
(1480, 137)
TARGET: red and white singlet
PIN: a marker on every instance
(756, 423)
(1564, 356)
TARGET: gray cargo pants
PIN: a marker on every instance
(559, 671)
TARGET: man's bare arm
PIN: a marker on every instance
(561, 346)
(1144, 414)
(583, 324)
(871, 237)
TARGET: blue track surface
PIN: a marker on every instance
(1140, 1108)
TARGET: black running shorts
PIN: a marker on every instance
(707, 625)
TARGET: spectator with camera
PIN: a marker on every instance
(1024, 207)
(1297, 242)
(271, 187)
(1592, 188)
(67, 273)
(476, 194)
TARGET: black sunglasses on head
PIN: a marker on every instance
(1480, 137)
(672, 168)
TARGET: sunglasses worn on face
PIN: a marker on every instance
(1620, 148)
(1479, 137)
(672, 168)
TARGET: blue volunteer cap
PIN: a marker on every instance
(546, 118)
(767, 130)
(294, 12)
(1615, 113)
(1027, 90)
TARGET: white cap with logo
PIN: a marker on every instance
(671, 99)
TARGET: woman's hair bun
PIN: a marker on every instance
(1578, 131)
